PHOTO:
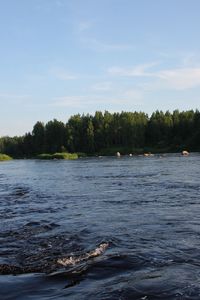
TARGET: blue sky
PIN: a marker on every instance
(62, 57)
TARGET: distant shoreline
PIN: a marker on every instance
(74, 156)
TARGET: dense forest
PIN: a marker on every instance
(106, 133)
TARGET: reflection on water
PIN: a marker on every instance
(144, 211)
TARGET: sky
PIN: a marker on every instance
(63, 57)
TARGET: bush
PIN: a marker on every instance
(63, 155)
(4, 157)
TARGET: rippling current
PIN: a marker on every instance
(100, 228)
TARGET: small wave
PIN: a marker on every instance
(20, 191)
(72, 260)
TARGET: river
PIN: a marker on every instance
(144, 210)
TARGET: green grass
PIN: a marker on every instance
(4, 157)
(63, 155)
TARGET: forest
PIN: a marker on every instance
(104, 133)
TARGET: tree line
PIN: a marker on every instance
(105, 133)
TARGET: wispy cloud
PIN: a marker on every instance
(132, 97)
(180, 79)
(139, 70)
(102, 86)
(183, 58)
(62, 74)
(84, 25)
(14, 98)
(75, 101)
(175, 78)
(101, 46)
(134, 94)
(190, 59)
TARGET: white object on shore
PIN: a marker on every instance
(185, 153)
(148, 154)
(118, 154)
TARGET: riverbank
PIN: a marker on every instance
(124, 151)
(112, 151)
(139, 151)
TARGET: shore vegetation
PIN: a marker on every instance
(58, 156)
(106, 133)
(4, 157)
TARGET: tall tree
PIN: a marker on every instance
(56, 135)
(38, 134)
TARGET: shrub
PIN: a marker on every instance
(63, 155)
(4, 157)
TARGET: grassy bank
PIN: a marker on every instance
(4, 157)
(64, 155)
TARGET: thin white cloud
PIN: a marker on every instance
(75, 101)
(83, 102)
(134, 94)
(84, 25)
(180, 79)
(184, 59)
(190, 59)
(62, 74)
(139, 70)
(15, 98)
(100, 46)
(102, 86)
(175, 78)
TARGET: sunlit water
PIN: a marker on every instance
(146, 210)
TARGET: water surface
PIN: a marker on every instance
(145, 208)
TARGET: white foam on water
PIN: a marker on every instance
(72, 260)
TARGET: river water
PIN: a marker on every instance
(146, 210)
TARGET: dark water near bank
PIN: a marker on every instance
(147, 210)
